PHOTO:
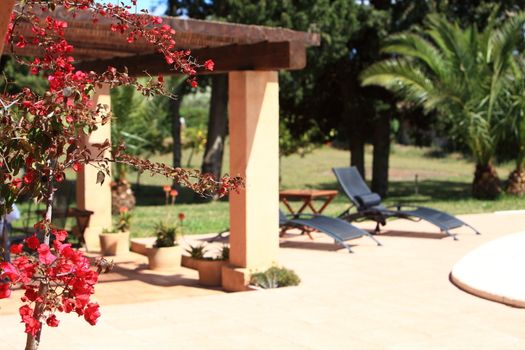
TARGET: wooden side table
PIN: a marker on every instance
(307, 196)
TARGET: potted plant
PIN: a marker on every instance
(210, 269)
(166, 252)
(196, 254)
(116, 240)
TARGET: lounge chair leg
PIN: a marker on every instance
(473, 229)
(375, 240)
(378, 228)
(345, 245)
(451, 235)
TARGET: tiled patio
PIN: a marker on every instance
(393, 297)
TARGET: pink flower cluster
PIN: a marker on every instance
(58, 278)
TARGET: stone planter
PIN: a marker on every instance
(210, 272)
(114, 243)
(189, 262)
(165, 258)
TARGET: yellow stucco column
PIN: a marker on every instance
(90, 195)
(254, 154)
(5, 16)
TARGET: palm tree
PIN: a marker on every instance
(515, 102)
(461, 74)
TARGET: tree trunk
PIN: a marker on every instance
(486, 182)
(381, 155)
(516, 182)
(357, 151)
(176, 131)
(217, 126)
(5, 239)
(33, 341)
(354, 122)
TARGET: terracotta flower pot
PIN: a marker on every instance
(189, 262)
(164, 258)
(114, 243)
(210, 272)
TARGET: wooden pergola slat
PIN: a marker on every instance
(260, 56)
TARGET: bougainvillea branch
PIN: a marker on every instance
(41, 136)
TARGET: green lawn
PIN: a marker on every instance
(444, 183)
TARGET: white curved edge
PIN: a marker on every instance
(486, 295)
(494, 271)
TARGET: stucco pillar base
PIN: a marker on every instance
(92, 239)
(235, 279)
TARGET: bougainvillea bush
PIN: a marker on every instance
(40, 137)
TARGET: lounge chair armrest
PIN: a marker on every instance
(368, 200)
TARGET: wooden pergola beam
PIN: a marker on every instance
(264, 56)
(96, 40)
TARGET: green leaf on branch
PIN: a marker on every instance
(100, 177)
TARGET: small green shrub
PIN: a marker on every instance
(197, 251)
(275, 277)
(166, 235)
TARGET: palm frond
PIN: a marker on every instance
(415, 46)
(401, 77)
(465, 75)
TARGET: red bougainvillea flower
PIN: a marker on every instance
(29, 177)
(209, 64)
(16, 182)
(166, 188)
(52, 321)
(182, 216)
(9, 271)
(44, 254)
(32, 242)
(32, 324)
(5, 291)
(60, 235)
(174, 193)
(16, 248)
(91, 314)
(76, 166)
(59, 177)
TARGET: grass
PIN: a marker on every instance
(443, 183)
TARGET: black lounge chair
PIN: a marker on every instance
(340, 230)
(368, 205)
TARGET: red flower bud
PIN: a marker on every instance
(209, 64)
(76, 166)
